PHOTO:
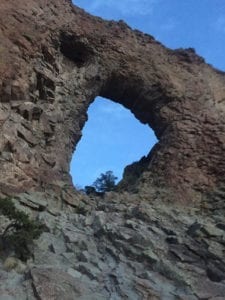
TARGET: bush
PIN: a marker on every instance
(105, 182)
(20, 232)
(89, 190)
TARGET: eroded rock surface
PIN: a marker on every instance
(143, 242)
(55, 59)
(122, 247)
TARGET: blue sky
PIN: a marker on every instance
(112, 137)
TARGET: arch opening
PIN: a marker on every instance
(112, 138)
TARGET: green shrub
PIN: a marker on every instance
(106, 182)
(21, 231)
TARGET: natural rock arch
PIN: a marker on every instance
(57, 59)
(112, 138)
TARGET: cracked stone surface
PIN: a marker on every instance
(122, 247)
(162, 234)
(55, 59)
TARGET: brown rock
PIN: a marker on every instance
(55, 59)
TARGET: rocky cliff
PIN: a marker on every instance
(162, 235)
(55, 59)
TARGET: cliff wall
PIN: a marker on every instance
(55, 59)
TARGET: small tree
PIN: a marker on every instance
(89, 190)
(21, 231)
(105, 182)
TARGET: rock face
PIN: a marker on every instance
(121, 247)
(55, 59)
(130, 244)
